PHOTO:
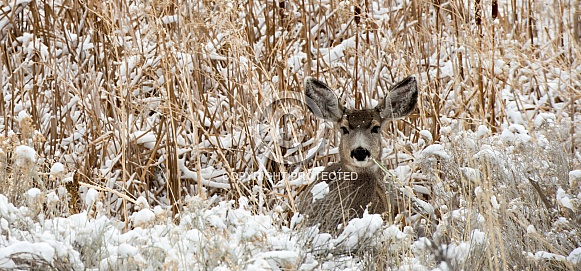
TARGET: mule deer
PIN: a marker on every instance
(356, 182)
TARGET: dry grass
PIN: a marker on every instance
(128, 99)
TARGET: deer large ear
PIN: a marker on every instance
(322, 101)
(400, 101)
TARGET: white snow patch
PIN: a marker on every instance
(531, 229)
(543, 255)
(478, 191)
(24, 154)
(426, 135)
(296, 219)
(435, 150)
(158, 211)
(472, 175)
(403, 172)
(283, 257)
(33, 192)
(507, 136)
(543, 118)
(57, 169)
(575, 178)
(494, 202)
(52, 197)
(319, 191)
(141, 203)
(360, 229)
(169, 19)
(147, 139)
(143, 217)
(564, 200)
(514, 132)
(478, 237)
(26, 250)
(482, 132)
(575, 256)
(393, 232)
(126, 250)
(91, 196)
(22, 115)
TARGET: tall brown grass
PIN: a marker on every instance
(99, 77)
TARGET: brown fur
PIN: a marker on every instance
(346, 199)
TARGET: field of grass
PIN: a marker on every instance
(137, 135)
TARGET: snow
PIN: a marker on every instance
(426, 138)
(57, 169)
(482, 131)
(575, 256)
(515, 132)
(33, 192)
(543, 255)
(127, 250)
(403, 172)
(360, 229)
(52, 197)
(564, 200)
(478, 237)
(474, 173)
(337, 52)
(141, 203)
(24, 155)
(435, 150)
(170, 19)
(26, 250)
(531, 229)
(494, 202)
(143, 217)
(471, 174)
(575, 178)
(22, 114)
(147, 139)
(91, 196)
(282, 257)
(543, 118)
(320, 190)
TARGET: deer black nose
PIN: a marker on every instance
(360, 154)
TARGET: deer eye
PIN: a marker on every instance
(344, 130)
(375, 129)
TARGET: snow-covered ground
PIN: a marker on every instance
(109, 108)
(227, 235)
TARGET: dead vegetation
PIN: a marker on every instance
(161, 99)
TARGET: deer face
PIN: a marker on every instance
(360, 137)
(360, 129)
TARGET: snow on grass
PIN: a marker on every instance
(319, 191)
(156, 96)
(148, 139)
(24, 155)
(575, 256)
(143, 217)
(435, 150)
(27, 251)
(228, 235)
(564, 200)
(91, 197)
(57, 169)
(360, 229)
(223, 236)
(575, 178)
(33, 192)
(544, 255)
